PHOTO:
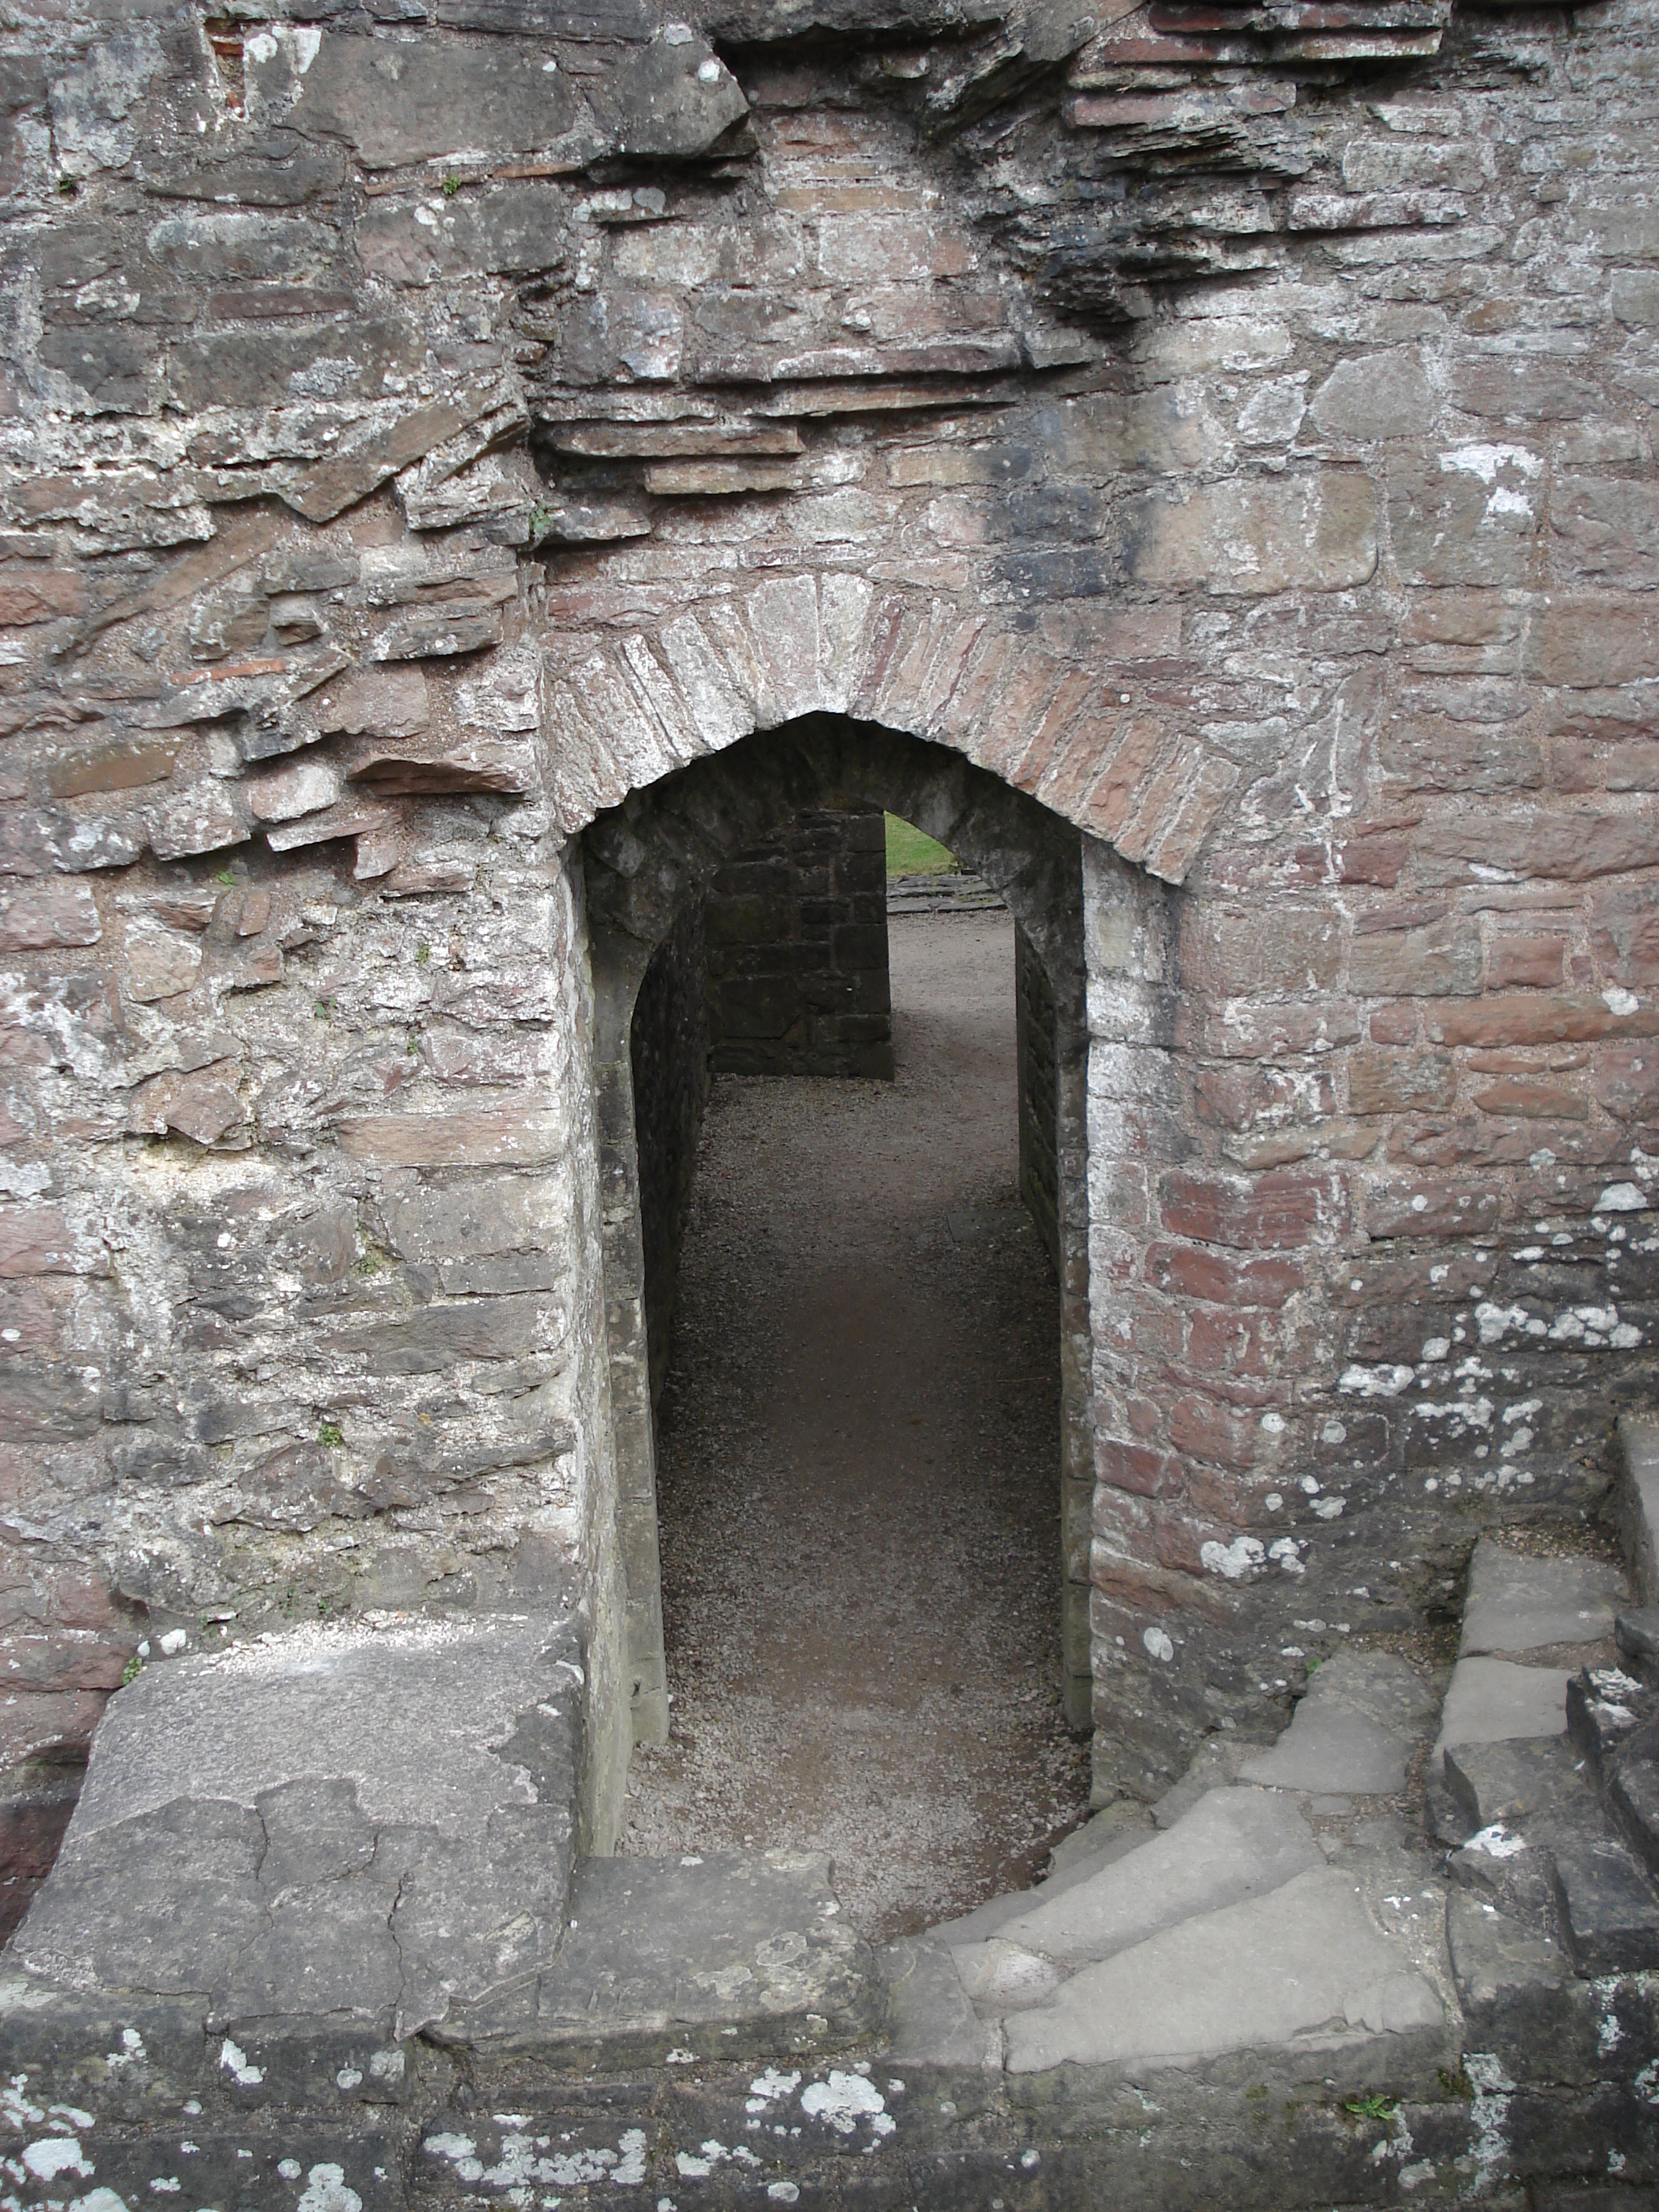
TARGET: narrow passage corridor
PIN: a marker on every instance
(858, 1471)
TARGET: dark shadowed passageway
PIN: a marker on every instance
(858, 1458)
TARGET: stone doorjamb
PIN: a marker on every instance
(644, 858)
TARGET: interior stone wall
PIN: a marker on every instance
(669, 1055)
(1233, 432)
(796, 931)
(1039, 1101)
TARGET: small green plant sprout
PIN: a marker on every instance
(1377, 2108)
(322, 1010)
(287, 1606)
(450, 185)
(325, 1606)
(372, 1262)
(332, 1437)
(132, 1670)
(1454, 2081)
(67, 187)
(225, 876)
(422, 954)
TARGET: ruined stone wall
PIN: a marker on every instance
(796, 931)
(1038, 1104)
(670, 1061)
(1231, 429)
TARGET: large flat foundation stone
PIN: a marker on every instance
(364, 1827)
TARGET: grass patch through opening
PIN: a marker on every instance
(911, 853)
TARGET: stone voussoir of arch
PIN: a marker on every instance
(622, 716)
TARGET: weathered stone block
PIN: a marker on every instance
(1440, 960)
(1315, 530)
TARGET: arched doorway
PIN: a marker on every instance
(646, 861)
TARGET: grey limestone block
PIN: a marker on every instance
(348, 1828)
(1516, 1603)
(1353, 1732)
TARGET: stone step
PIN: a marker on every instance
(1519, 1602)
(1543, 1837)
(733, 1955)
(366, 1822)
(1303, 1973)
(1116, 1838)
(1233, 1844)
(1636, 1635)
(1354, 1733)
(1493, 1700)
(1613, 1720)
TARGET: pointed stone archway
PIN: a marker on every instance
(644, 860)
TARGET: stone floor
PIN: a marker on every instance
(858, 1472)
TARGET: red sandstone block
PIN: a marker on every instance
(1076, 689)
(1235, 1094)
(885, 627)
(1282, 1027)
(1269, 1212)
(1006, 726)
(1627, 1082)
(1257, 953)
(1195, 1271)
(1145, 1415)
(945, 672)
(1536, 1018)
(1394, 1025)
(1427, 1207)
(1177, 1538)
(1522, 963)
(1566, 844)
(50, 1720)
(1140, 1469)
(1373, 859)
(35, 1240)
(1154, 802)
(1618, 763)
(1109, 804)
(1172, 852)
(1394, 1081)
(1534, 1100)
(1625, 934)
(987, 669)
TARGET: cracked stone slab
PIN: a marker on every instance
(727, 1955)
(1233, 1844)
(1508, 1780)
(934, 2023)
(1353, 1733)
(351, 1824)
(1519, 1603)
(1491, 1700)
(1304, 1969)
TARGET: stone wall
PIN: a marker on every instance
(1231, 433)
(669, 1050)
(796, 929)
(1039, 1103)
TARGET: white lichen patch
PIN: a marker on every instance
(234, 2061)
(844, 2099)
(1496, 1842)
(1234, 1560)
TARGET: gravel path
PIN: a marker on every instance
(858, 1476)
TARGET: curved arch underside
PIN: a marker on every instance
(666, 841)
